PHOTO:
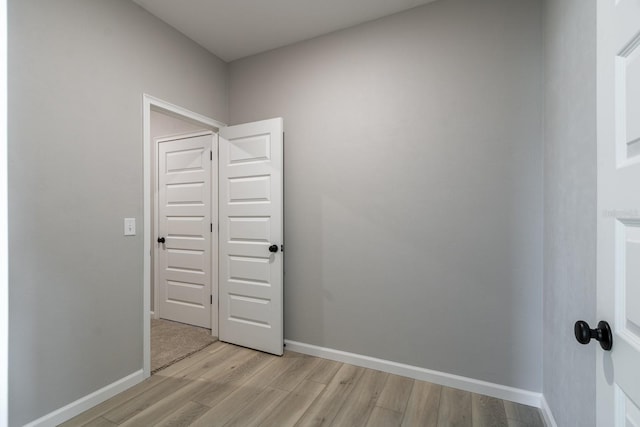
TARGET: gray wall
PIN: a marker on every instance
(569, 207)
(77, 72)
(413, 195)
(163, 125)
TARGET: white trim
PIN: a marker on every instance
(463, 383)
(215, 238)
(150, 103)
(165, 107)
(152, 315)
(4, 227)
(547, 415)
(146, 243)
(87, 402)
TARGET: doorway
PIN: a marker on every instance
(169, 129)
(184, 255)
(246, 195)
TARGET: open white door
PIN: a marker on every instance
(184, 229)
(251, 233)
(618, 370)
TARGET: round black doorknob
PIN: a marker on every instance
(161, 240)
(273, 248)
(584, 334)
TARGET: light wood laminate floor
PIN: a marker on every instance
(225, 385)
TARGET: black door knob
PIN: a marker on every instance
(602, 334)
(273, 248)
(161, 240)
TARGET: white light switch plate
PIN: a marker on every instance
(129, 226)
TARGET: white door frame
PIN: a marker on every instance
(4, 203)
(152, 103)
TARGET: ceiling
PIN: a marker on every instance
(233, 29)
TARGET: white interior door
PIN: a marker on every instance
(618, 371)
(185, 229)
(251, 232)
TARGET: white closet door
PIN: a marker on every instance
(184, 223)
(251, 234)
(618, 370)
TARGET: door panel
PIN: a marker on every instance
(251, 196)
(184, 213)
(618, 376)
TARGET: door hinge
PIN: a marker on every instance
(212, 227)
(211, 299)
(281, 248)
(211, 155)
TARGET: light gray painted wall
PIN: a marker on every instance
(162, 125)
(77, 72)
(569, 207)
(413, 186)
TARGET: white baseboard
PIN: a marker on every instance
(547, 415)
(89, 401)
(463, 383)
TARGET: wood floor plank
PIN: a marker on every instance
(139, 403)
(238, 369)
(215, 346)
(175, 376)
(263, 404)
(326, 406)
(288, 354)
(157, 405)
(487, 411)
(184, 416)
(221, 386)
(422, 408)
(324, 371)
(515, 423)
(190, 361)
(117, 400)
(204, 361)
(100, 422)
(395, 394)
(527, 415)
(383, 417)
(362, 399)
(455, 408)
(225, 405)
(227, 409)
(163, 408)
(295, 373)
(274, 369)
(289, 411)
(223, 360)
